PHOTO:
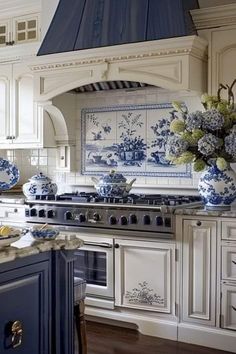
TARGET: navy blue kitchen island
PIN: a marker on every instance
(36, 296)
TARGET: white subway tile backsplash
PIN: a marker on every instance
(32, 161)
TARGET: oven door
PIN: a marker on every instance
(95, 263)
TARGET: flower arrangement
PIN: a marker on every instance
(202, 138)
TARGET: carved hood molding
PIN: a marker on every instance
(174, 64)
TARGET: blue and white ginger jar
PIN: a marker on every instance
(113, 185)
(217, 188)
(39, 185)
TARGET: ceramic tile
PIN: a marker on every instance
(43, 161)
(134, 144)
(34, 161)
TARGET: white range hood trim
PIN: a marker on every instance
(174, 64)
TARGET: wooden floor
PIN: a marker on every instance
(105, 339)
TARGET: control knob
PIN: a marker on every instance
(146, 220)
(133, 219)
(81, 217)
(96, 217)
(42, 213)
(50, 213)
(68, 215)
(123, 220)
(33, 212)
(159, 221)
(112, 220)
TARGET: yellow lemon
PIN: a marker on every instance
(5, 230)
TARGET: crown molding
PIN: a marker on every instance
(187, 45)
(214, 16)
(13, 8)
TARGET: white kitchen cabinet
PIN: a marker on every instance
(19, 118)
(19, 29)
(228, 306)
(199, 272)
(145, 275)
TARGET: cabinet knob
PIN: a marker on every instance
(234, 308)
(198, 223)
(117, 245)
(17, 333)
(234, 262)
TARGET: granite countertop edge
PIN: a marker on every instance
(204, 212)
(27, 246)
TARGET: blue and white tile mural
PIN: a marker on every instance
(131, 139)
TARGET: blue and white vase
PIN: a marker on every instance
(217, 188)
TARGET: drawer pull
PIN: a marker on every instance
(234, 308)
(17, 333)
(234, 262)
(198, 223)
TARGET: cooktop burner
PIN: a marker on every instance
(138, 199)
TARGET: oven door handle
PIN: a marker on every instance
(98, 244)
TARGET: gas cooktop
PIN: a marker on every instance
(152, 213)
(131, 199)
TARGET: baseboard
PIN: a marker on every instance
(146, 324)
(209, 337)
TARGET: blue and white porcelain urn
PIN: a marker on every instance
(217, 188)
(113, 185)
(39, 185)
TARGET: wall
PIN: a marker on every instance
(44, 160)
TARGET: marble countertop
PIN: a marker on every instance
(27, 246)
(203, 212)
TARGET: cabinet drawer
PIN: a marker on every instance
(229, 262)
(228, 230)
(12, 213)
(228, 306)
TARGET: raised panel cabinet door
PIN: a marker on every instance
(199, 271)
(228, 306)
(26, 124)
(5, 98)
(144, 273)
(24, 316)
(223, 56)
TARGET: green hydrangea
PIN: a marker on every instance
(199, 165)
(186, 157)
(197, 134)
(177, 126)
(187, 136)
(221, 163)
(177, 105)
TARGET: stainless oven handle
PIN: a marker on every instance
(97, 244)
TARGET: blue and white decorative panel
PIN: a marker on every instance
(131, 139)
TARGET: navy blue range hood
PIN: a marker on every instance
(84, 24)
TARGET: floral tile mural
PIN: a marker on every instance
(130, 138)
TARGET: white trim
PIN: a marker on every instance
(211, 17)
(208, 337)
(152, 326)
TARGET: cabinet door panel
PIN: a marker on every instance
(144, 275)
(26, 128)
(228, 306)
(23, 297)
(229, 262)
(199, 271)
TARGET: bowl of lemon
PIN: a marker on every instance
(8, 235)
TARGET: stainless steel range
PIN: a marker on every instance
(147, 213)
(99, 222)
